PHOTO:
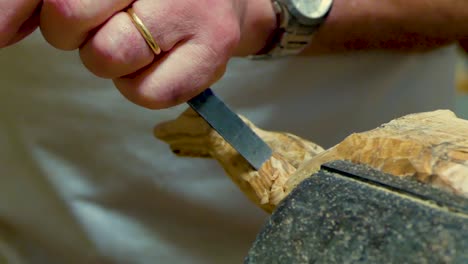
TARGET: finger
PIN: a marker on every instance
(26, 28)
(16, 20)
(66, 24)
(118, 48)
(193, 64)
(186, 71)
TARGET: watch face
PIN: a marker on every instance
(310, 9)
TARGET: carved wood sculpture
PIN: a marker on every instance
(430, 146)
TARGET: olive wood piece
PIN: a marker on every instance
(431, 147)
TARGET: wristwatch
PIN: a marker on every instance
(297, 22)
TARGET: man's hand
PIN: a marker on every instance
(18, 18)
(197, 38)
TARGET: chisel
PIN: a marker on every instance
(231, 127)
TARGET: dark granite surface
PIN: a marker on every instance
(352, 214)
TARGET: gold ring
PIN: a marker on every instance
(144, 31)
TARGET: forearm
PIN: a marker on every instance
(391, 24)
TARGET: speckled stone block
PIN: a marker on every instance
(352, 214)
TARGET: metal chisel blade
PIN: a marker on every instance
(228, 124)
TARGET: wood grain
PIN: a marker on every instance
(431, 146)
(190, 136)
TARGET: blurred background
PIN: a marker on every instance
(462, 83)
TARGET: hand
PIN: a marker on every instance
(18, 18)
(197, 38)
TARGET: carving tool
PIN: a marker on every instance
(231, 127)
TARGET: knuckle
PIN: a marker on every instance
(137, 92)
(163, 96)
(62, 22)
(114, 51)
(228, 33)
(155, 95)
(100, 58)
(68, 10)
(96, 60)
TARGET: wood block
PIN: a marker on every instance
(431, 147)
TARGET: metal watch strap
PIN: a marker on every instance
(290, 37)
